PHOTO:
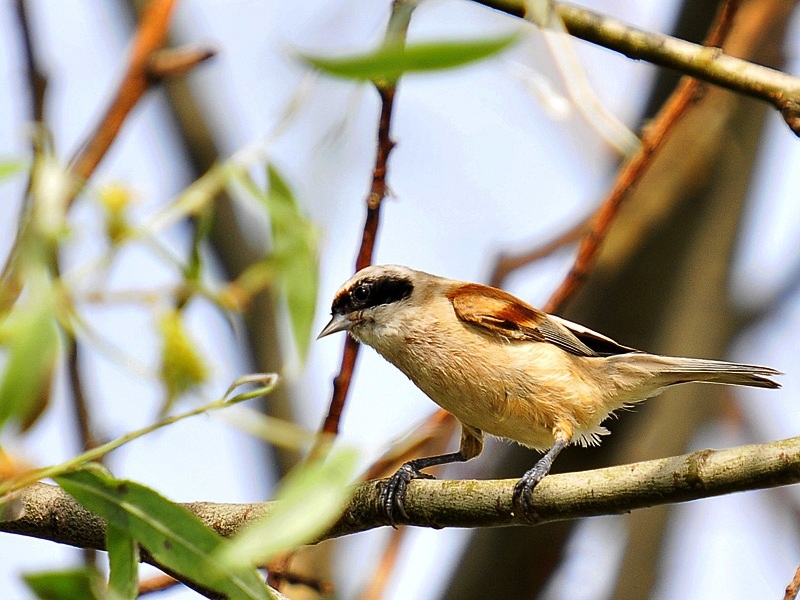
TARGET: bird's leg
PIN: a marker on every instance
(394, 491)
(523, 491)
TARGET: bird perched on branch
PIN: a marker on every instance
(505, 368)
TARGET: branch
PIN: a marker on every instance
(37, 79)
(145, 66)
(631, 173)
(51, 514)
(396, 32)
(793, 587)
(683, 100)
(150, 37)
(708, 64)
(508, 262)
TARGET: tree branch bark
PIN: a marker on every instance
(51, 514)
(703, 62)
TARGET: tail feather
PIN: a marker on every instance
(682, 370)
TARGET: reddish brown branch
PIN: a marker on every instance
(173, 62)
(509, 262)
(595, 229)
(793, 587)
(150, 37)
(673, 110)
(378, 191)
(631, 172)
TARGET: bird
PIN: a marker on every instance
(505, 368)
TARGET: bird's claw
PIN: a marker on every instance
(522, 499)
(393, 493)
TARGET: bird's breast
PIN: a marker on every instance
(512, 389)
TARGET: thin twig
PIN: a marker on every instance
(10, 282)
(396, 31)
(320, 586)
(793, 587)
(37, 80)
(709, 64)
(653, 136)
(149, 38)
(508, 262)
(174, 62)
(82, 415)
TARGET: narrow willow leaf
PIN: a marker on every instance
(123, 559)
(309, 501)
(31, 341)
(183, 368)
(10, 167)
(389, 62)
(170, 533)
(85, 584)
(293, 263)
(295, 256)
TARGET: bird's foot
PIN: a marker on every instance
(393, 493)
(522, 500)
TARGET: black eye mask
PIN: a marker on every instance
(368, 293)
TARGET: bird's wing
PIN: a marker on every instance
(599, 343)
(499, 313)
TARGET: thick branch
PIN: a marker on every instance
(703, 62)
(52, 514)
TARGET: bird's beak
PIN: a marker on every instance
(337, 323)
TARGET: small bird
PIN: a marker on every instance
(502, 367)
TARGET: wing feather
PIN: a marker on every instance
(499, 313)
(599, 343)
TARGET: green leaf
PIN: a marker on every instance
(293, 264)
(31, 341)
(170, 533)
(10, 167)
(294, 255)
(85, 584)
(310, 499)
(183, 369)
(123, 558)
(389, 62)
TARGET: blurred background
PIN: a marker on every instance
(491, 159)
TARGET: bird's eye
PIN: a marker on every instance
(361, 293)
